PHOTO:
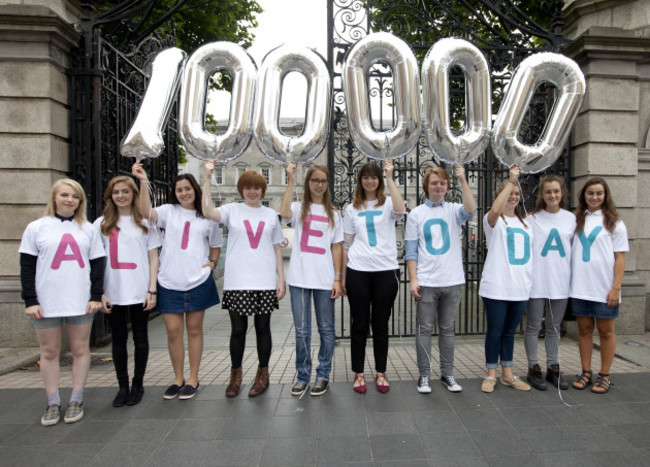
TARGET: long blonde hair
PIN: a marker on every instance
(80, 212)
(111, 213)
(518, 212)
(327, 199)
(373, 170)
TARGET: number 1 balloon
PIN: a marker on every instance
(144, 139)
(385, 48)
(566, 76)
(205, 61)
(275, 66)
(446, 144)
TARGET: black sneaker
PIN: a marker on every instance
(536, 378)
(188, 391)
(320, 387)
(121, 397)
(298, 389)
(135, 396)
(554, 376)
(172, 391)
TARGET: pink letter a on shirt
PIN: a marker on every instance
(67, 240)
(254, 239)
(112, 247)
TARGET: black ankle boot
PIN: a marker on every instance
(554, 376)
(135, 396)
(121, 397)
(536, 378)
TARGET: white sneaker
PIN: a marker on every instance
(423, 385)
(451, 383)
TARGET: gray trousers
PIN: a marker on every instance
(441, 304)
(554, 311)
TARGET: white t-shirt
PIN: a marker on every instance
(374, 247)
(311, 265)
(592, 260)
(186, 247)
(126, 278)
(437, 230)
(552, 237)
(63, 251)
(508, 266)
(250, 257)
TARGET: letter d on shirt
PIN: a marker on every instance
(512, 256)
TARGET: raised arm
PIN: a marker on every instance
(500, 203)
(468, 196)
(285, 206)
(144, 200)
(209, 211)
(398, 201)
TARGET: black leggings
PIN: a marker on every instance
(119, 319)
(368, 291)
(239, 324)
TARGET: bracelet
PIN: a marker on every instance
(152, 293)
(512, 182)
(337, 280)
(215, 261)
(338, 274)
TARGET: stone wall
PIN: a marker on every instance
(612, 46)
(36, 42)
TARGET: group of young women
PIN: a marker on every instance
(113, 266)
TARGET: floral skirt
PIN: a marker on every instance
(250, 302)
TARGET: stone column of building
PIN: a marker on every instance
(611, 43)
(37, 40)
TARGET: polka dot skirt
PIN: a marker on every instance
(250, 302)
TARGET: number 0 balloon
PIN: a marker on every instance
(385, 48)
(205, 61)
(446, 144)
(566, 76)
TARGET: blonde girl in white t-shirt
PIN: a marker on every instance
(506, 280)
(62, 275)
(553, 227)
(253, 259)
(598, 264)
(370, 266)
(129, 281)
(314, 271)
(186, 287)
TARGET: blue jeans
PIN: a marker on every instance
(324, 308)
(503, 317)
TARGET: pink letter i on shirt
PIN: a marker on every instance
(186, 236)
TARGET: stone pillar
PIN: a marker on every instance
(611, 43)
(36, 46)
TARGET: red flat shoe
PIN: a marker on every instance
(383, 388)
(361, 389)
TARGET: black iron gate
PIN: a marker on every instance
(505, 35)
(106, 90)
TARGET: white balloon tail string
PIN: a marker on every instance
(522, 198)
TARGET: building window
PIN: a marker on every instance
(218, 175)
(239, 172)
(266, 203)
(285, 180)
(401, 178)
(266, 173)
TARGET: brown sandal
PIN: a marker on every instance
(582, 380)
(602, 384)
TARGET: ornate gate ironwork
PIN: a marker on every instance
(506, 35)
(106, 91)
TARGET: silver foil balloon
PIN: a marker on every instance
(383, 48)
(275, 66)
(469, 143)
(145, 137)
(204, 62)
(566, 76)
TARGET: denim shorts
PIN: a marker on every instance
(590, 309)
(197, 299)
(48, 323)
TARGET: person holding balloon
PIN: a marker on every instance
(598, 264)
(314, 271)
(130, 281)
(186, 287)
(371, 269)
(506, 280)
(553, 228)
(62, 275)
(434, 259)
(253, 259)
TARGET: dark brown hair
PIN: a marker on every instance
(197, 192)
(540, 204)
(610, 215)
(518, 212)
(373, 170)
